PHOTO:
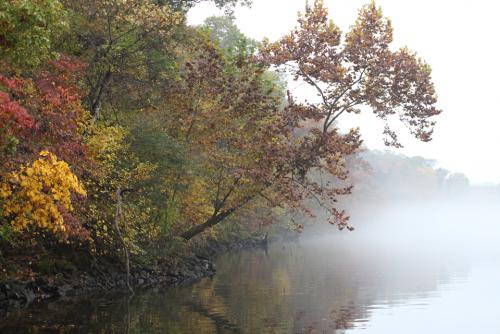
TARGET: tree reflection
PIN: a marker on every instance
(315, 288)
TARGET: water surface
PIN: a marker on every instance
(315, 285)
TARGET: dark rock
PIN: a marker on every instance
(49, 288)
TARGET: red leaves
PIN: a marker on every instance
(15, 121)
(74, 227)
(13, 116)
(44, 111)
(68, 65)
(14, 84)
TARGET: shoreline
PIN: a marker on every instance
(16, 295)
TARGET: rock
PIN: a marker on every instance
(64, 290)
(29, 296)
(167, 272)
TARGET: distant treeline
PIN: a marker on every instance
(385, 175)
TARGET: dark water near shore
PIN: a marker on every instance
(316, 285)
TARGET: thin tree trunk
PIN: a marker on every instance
(95, 101)
(96, 95)
(118, 217)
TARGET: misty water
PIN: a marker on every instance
(414, 269)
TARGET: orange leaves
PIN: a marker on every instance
(368, 40)
(348, 76)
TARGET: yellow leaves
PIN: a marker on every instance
(36, 194)
(143, 171)
(195, 201)
(5, 191)
(107, 143)
(146, 15)
(107, 138)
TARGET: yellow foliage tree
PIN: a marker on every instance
(36, 195)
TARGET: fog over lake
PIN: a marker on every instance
(430, 267)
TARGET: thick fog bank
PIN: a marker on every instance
(462, 226)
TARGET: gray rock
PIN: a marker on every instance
(64, 290)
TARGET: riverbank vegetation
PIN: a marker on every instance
(124, 132)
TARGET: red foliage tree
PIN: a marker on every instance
(43, 112)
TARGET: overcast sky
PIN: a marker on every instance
(458, 38)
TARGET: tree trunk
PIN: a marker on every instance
(214, 220)
(118, 217)
(96, 95)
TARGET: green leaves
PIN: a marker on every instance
(28, 29)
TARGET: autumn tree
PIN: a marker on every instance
(42, 150)
(118, 40)
(185, 5)
(40, 196)
(43, 111)
(349, 74)
(129, 47)
(237, 133)
(214, 112)
(352, 73)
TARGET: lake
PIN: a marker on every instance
(336, 284)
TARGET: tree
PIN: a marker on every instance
(362, 71)
(229, 37)
(28, 29)
(221, 110)
(40, 138)
(118, 40)
(39, 196)
(359, 73)
(42, 111)
(185, 5)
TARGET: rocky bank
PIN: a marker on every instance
(21, 294)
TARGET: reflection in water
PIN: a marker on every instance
(314, 286)
(417, 270)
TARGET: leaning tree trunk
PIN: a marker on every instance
(214, 220)
(118, 218)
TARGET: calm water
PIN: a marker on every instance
(324, 285)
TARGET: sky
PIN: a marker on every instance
(458, 38)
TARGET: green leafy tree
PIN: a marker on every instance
(27, 30)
